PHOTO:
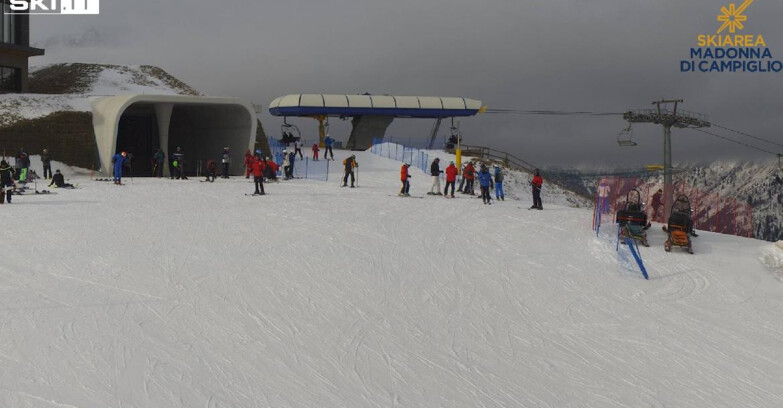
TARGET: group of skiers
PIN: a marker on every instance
(487, 181)
(20, 173)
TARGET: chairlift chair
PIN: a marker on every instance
(625, 137)
(289, 133)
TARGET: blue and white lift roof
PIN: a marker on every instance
(378, 105)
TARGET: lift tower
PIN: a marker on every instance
(667, 118)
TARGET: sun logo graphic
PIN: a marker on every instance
(732, 17)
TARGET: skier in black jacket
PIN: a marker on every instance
(6, 181)
(435, 173)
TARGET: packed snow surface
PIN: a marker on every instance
(167, 293)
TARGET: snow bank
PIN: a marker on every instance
(772, 258)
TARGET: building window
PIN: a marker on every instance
(10, 80)
(9, 25)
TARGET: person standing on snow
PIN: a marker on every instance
(298, 149)
(470, 176)
(315, 151)
(537, 182)
(177, 162)
(404, 176)
(498, 174)
(435, 174)
(603, 195)
(328, 142)
(292, 160)
(211, 170)
(249, 162)
(46, 160)
(6, 181)
(451, 179)
(485, 181)
(118, 160)
(258, 175)
(286, 164)
(656, 203)
(225, 159)
(350, 164)
(157, 168)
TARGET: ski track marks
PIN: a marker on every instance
(179, 293)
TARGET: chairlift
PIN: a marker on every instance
(289, 133)
(455, 138)
(625, 137)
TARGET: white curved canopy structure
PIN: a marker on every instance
(201, 125)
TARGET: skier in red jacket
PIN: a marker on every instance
(404, 176)
(537, 183)
(451, 179)
(248, 163)
(470, 176)
(315, 151)
(258, 175)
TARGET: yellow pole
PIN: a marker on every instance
(321, 131)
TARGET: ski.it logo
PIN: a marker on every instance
(55, 6)
(729, 51)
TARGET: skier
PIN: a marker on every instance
(470, 176)
(286, 164)
(59, 181)
(537, 183)
(350, 164)
(603, 195)
(226, 161)
(157, 167)
(451, 179)
(656, 204)
(118, 160)
(177, 162)
(315, 151)
(46, 160)
(435, 172)
(23, 161)
(404, 176)
(271, 170)
(249, 162)
(6, 181)
(298, 149)
(258, 175)
(462, 180)
(211, 168)
(485, 181)
(498, 174)
(292, 160)
(328, 142)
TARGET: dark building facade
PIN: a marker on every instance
(15, 50)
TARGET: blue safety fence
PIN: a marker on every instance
(304, 166)
(416, 157)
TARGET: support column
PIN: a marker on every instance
(163, 116)
(667, 172)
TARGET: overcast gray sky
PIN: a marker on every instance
(598, 55)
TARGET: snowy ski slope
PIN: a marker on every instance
(166, 293)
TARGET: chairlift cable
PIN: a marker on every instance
(734, 141)
(747, 135)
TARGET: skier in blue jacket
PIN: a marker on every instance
(485, 181)
(499, 184)
(118, 160)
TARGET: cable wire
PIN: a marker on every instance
(734, 141)
(745, 134)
